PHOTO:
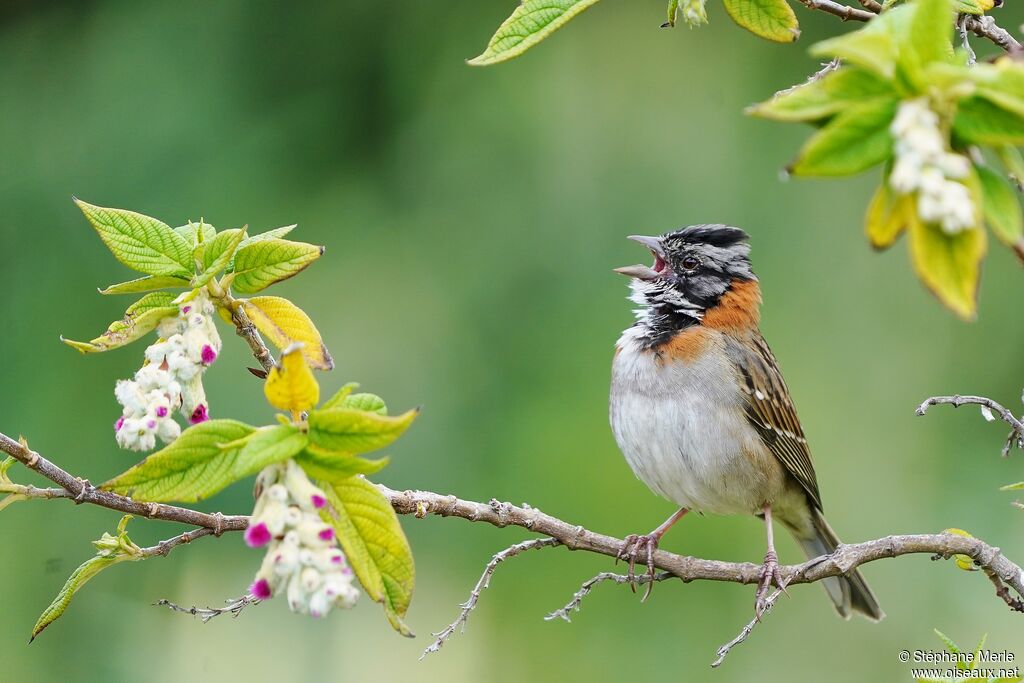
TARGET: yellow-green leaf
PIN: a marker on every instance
(348, 430)
(290, 386)
(770, 19)
(530, 23)
(284, 323)
(949, 265)
(140, 242)
(824, 96)
(373, 541)
(82, 575)
(220, 250)
(334, 467)
(981, 122)
(888, 216)
(205, 459)
(872, 47)
(1001, 207)
(146, 284)
(853, 141)
(141, 318)
(962, 561)
(264, 262)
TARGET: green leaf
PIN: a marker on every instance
(82, 575)
(1001, 208)
(260, 237)
(949, 265)
(873, 47)
(284, 323)
(146, 284)
(196, 233)
(673, 10)
(1001, 83)
(219, 251)
(980, 122)
(111, 549)
(140, 242)
(265, 262)
(927, 39)
(344, 430)
(334, 467)
(972, 6)
(825, 96)
(141, 318)
(1013, 487)
(346, 399)
(373, 541)
(853, 141)
(1013, 162)
(948, 642)
(530, 23)
(769, 19)
(205, 459)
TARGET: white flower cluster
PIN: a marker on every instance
(303, 556)
(924, 165)
(171, 379)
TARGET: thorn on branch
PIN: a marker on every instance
(485, 580)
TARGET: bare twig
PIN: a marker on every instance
(871, 5)
(986, 27)
(573, 605)
(1016, 437)
(744, 633)
(247, 331)
(233, 607)
(485, 580)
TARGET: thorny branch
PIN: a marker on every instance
(233, 607)
(1001, 571)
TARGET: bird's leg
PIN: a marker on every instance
(634, 545)
(769, 570)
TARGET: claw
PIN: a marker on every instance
(768, 576)
(632, 547)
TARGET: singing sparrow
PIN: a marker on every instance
(701, 412)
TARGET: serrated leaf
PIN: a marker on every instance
(368, 530)
(290, 385)
(872, 47)
(1001, 207)
(948, 642)
(888, 216)
(284, 323)
(82, 575)
(262, 263)
(334, 467)
(853, 141)
(927, 38)
(260, 237)
(220, 250)
(825, 96)
(141, 318)
(770, 19)
(202, 461)
(196, 233)
(140, 242)
(146, 284)
(949, 265)
(346, 399)
(980, 122)
(530, 23)
(345, 430)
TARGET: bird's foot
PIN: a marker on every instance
(769, 575)
(635, 547)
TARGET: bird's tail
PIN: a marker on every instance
(850, 592)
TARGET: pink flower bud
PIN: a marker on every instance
(318, 501)
(207, 354)
(257, 535)
(326, 534)
(161, 411)
(119, 424)
(200, 414)
(261, 589)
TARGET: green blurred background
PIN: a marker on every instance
(472, 219)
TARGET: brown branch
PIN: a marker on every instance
(1016, 437)
(844, 12)
(233, 607)
(247, 331)
(81, 491)
(986, 27)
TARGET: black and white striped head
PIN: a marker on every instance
(693, 267)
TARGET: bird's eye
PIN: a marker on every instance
(690, 262)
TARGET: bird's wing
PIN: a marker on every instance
(771, 411)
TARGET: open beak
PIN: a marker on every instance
(642, 272)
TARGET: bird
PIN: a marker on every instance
(700, 410)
